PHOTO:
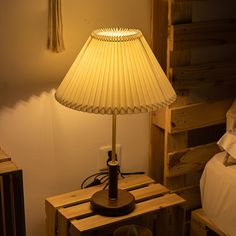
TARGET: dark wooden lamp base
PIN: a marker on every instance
(101, 203)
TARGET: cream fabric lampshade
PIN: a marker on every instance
(116, 72)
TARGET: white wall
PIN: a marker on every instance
(57, 147)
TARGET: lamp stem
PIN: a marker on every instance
(113, 157)
(113, 165)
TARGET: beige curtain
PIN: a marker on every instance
(55, 27)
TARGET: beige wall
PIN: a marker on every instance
(58, 147)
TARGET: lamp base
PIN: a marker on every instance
(101, 203)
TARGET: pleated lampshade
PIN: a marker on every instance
(116, 72)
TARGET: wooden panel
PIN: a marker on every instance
(181, 12)
(194, 35)
(190, 160)
(206, 75)
(198, 115)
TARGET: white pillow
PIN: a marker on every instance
(228, 143)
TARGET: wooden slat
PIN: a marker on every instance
(203, 34)
(149, 206)
(197, 115)
(205, 75)
(190, 160)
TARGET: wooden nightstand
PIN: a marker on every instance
(156, 208)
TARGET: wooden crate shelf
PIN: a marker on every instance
(70, 213)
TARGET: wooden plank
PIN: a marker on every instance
(84, 210)
(190, 160)
(204, 75)
(197, 115)
(149, 206)
(203, 34)
(199, 216)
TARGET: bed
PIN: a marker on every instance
(218, 193)
(218, 181)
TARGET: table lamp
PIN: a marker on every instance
(115, 73)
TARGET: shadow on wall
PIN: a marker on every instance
(11, 95)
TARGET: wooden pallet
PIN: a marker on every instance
(70, 213)
(201, 225)
(12, 214)
(195, 43)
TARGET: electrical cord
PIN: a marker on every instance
(103, 177)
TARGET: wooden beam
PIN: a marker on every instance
(205, 75)
(190, 159)
(202, 34)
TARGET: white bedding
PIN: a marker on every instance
(218, 194)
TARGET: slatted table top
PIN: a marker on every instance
(71, 212)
